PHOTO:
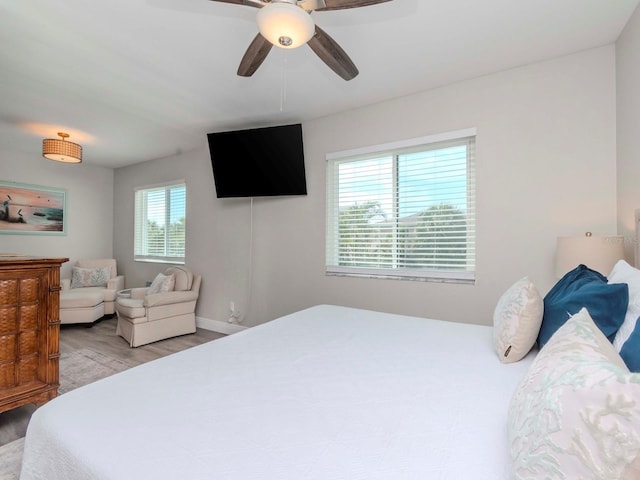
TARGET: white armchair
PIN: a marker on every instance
(90, 293)
(146, 316)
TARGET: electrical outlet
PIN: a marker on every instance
(235, 314)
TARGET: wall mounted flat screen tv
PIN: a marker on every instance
(258, 162)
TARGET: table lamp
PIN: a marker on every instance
(599, 253)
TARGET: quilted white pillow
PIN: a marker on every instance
(622, 272)
(576, 414)
(516, 320)
(162, 283)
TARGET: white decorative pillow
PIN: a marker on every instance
(90, 277)
(576, 413)
(516, 321)
(162, 283)
(622, 272)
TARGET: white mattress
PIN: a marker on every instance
(326, 393)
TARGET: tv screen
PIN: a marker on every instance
(258, 162)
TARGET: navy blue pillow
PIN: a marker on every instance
(630, 351)
(583, 287)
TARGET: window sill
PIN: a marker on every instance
(445, 277)
(158, 260)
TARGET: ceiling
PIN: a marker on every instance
(135, 80)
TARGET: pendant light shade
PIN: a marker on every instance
(61, 150)
(285, 25)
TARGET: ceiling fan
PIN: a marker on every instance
(288, 24)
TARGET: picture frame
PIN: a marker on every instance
(32, 209)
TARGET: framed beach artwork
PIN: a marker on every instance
(32, 210)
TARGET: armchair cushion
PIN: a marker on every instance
(90, 277)
(108, 294)
(131, 308)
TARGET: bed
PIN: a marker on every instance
(325, 393)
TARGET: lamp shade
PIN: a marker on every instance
(61, 150)
(599, 253)
(285, 25)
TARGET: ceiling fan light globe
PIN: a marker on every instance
(285, 25)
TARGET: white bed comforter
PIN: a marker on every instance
(327, 393)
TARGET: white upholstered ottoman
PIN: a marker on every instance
(78, 306)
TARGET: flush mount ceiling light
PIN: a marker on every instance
(61, 150)
(285, 25)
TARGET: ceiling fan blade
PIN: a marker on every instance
(332, 54)
(254, 56)
(340, 4)
(249, 3)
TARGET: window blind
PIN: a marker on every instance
(160, 220)
(407, 212)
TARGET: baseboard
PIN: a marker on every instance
(218, 326)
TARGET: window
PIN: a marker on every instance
(160, 223)
(404, 210)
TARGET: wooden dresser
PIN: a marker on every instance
(29, 329)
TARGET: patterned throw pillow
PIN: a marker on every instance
(516, 321)
(576, 414)
(162, 283)
(90, 277)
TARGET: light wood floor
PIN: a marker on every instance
(101, 338)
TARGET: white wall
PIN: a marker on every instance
(89, 207)
(216, 231)
(546, 167)
(628, 129)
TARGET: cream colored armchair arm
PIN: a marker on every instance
(116, 283)
(167, 298)
(66, 283)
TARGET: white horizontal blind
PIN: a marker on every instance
(160, 220)
(407, 212)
